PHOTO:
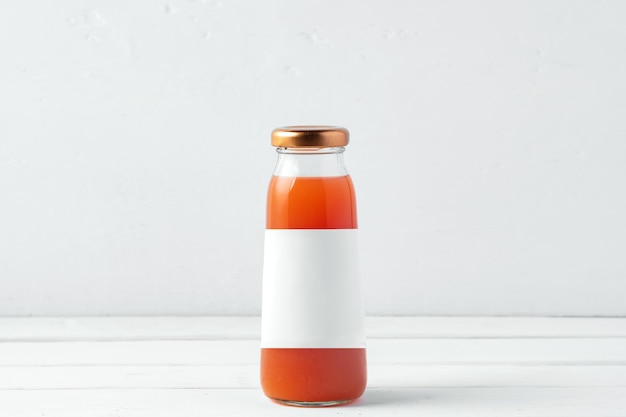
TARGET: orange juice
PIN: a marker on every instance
(312, 375)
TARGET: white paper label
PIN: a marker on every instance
(311, 289)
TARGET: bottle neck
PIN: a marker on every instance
(310, 162)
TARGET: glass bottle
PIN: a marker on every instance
(312, 336)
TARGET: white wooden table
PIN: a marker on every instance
(208, 366)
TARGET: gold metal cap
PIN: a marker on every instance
(310, 137)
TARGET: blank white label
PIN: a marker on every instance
(311, 289)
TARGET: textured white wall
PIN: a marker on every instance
(488, 151)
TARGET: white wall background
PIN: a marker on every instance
(488, 150)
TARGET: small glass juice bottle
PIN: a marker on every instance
(312, 335)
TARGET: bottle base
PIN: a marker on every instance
(311, 404)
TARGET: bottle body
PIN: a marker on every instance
(313, 343)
